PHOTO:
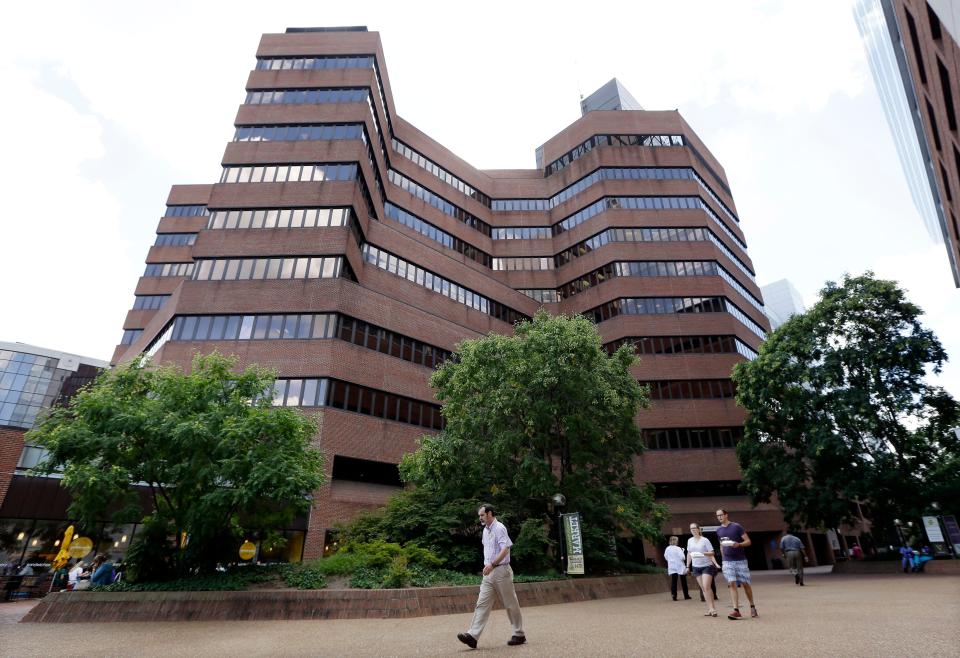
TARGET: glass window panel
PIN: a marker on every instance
(276, 326)
(203, 327)
(290, 326)
(233, 327)
(233, 266)
(246, 327)
(218, 327)
(304, 326)
(260, 327)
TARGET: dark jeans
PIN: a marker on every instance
(674, 577)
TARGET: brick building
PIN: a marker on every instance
(33, 510)
(350, 251)
(914, 55)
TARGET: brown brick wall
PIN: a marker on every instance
(11, 445)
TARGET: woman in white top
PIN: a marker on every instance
(700, 554)
(74, 574)
(676, 567)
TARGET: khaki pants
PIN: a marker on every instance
(500, 581)
(795, 563)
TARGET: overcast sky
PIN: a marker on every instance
(109, 104)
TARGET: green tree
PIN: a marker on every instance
(217, 459)
(838, 410)
(542, 412)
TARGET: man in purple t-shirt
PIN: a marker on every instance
(733, 539)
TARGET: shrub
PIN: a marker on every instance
(532, 547)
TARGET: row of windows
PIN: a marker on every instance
(168, 269)
(691, 389)
(658, 345)
(692, 438)
(149, 302)
(175, 239)
(594, 242)
(284, 173)
(439, 172)
(739, 287)
(644, 203)
(438, 202)
(387, 261)
(693, 234)
(315, 62)
(426, 228)
(253, 327)
(185, 211)
(326, 392)
(523, 263)
(299, 132)
(610, 140)
(669, 306)
(542, 295)
(305, 327)
(300, 96)
(130, 335)
(382, 340)
(649, 268)
(654, 269)
(279, 218)
(327, 62)
(256, 269)
(25, 364)
(522, 233)
(612, 173)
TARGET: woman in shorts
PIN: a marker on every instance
(700, 555)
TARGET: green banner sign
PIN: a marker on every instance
(574, 542)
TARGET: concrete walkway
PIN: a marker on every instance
(895, 615)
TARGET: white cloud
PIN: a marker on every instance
(61, 229)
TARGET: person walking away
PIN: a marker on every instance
(700, 556)
(676, 567)
(497, 577)
(733, 539)
(794, 555)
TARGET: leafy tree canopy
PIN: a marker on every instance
(542, 412)
(216, 458)
(838, 410)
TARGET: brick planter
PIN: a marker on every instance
(940, 567)
(319, 604)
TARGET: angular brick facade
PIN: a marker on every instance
(630, 221)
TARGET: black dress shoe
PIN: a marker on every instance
(516, 639)
(687, 598)
(467, 639)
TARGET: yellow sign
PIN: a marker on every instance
(63, 556)
(247, 550)
(80, 546)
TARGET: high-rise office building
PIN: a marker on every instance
(782, 301)
(350, 251)
(912, 49)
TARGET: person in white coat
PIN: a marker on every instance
(676, 567)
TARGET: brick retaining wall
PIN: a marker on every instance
(320, 604)
(940, 567)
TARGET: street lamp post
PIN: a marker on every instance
(559, 501)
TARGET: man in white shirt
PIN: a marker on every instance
(497, 577)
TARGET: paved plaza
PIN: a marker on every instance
(834, 615)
